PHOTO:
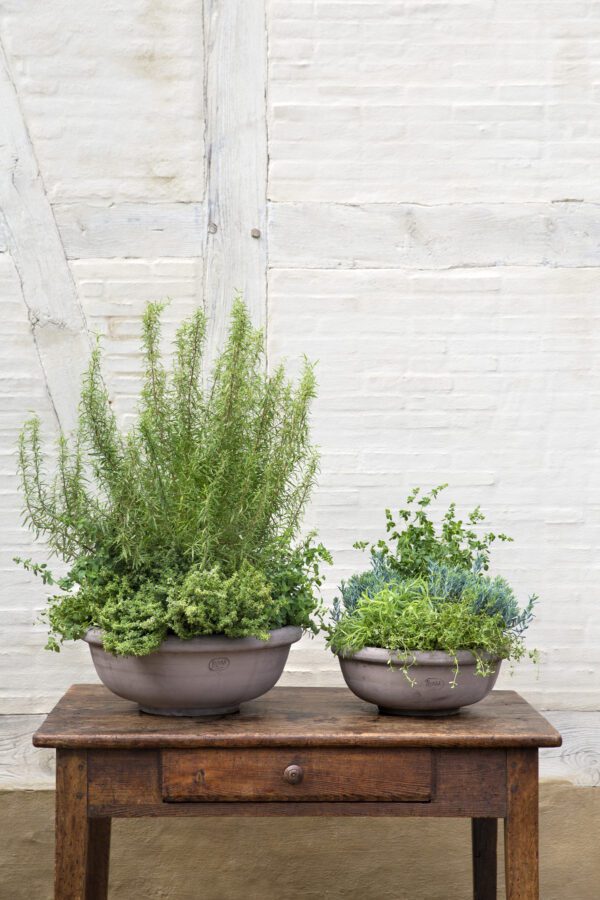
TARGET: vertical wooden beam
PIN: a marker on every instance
(235, 259)
(484, 834)
(521, 841)
(33, 241)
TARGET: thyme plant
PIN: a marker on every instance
(188, 523)
(427, 588)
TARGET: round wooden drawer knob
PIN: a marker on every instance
(293, 774)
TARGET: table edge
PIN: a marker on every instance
(52, 735)
(149, 742)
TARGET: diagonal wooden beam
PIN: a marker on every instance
(30, 234)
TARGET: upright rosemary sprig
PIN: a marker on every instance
(214, 476)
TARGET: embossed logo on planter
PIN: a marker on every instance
(218, 663)
(434, 682)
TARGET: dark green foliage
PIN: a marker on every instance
(416, 541)
(188, 522)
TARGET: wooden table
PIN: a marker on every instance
(295, 752)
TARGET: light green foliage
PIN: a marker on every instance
(208, 603)
(427, 590)
(133, 619)
(205, 491)
(201, 603)
(404, 618)
(366, 583)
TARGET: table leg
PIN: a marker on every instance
(484, 834)
(82, 844)
(98, 855)
(521, 828)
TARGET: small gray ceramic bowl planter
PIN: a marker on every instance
(377, 676)
(203, 676)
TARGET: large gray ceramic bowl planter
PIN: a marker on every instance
(370, 676)
(204, 676)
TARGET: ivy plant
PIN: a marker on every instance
(188, 522)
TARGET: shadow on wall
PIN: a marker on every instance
(300, 859)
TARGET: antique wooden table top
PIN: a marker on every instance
(90, 716)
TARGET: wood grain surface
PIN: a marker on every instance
(91, 716)
(521, 826)
(577, 760)
(325, 774)
(130, 230)
(235, 85)
(128, 783)
(326, 235)
(72, 822)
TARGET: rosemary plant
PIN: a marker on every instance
(188, 523)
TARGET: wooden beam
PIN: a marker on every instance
(521, 826)
(33, 241)
(405, 235)
(23, 766)
(578, 760)
(484, 839)
(235, 48)
(130, 230)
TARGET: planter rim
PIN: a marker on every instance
(289, 634)
(416, 657)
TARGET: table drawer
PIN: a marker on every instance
(288, 774)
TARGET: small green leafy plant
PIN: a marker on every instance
(427, 589)
(187, 524)
(410, 546)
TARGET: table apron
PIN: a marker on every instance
(464, 783)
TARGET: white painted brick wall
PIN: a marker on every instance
(113, 294)
(419, 247)
(487, 379)
(429, 102)
(22, 388)
(418, 251)
(112, 95)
